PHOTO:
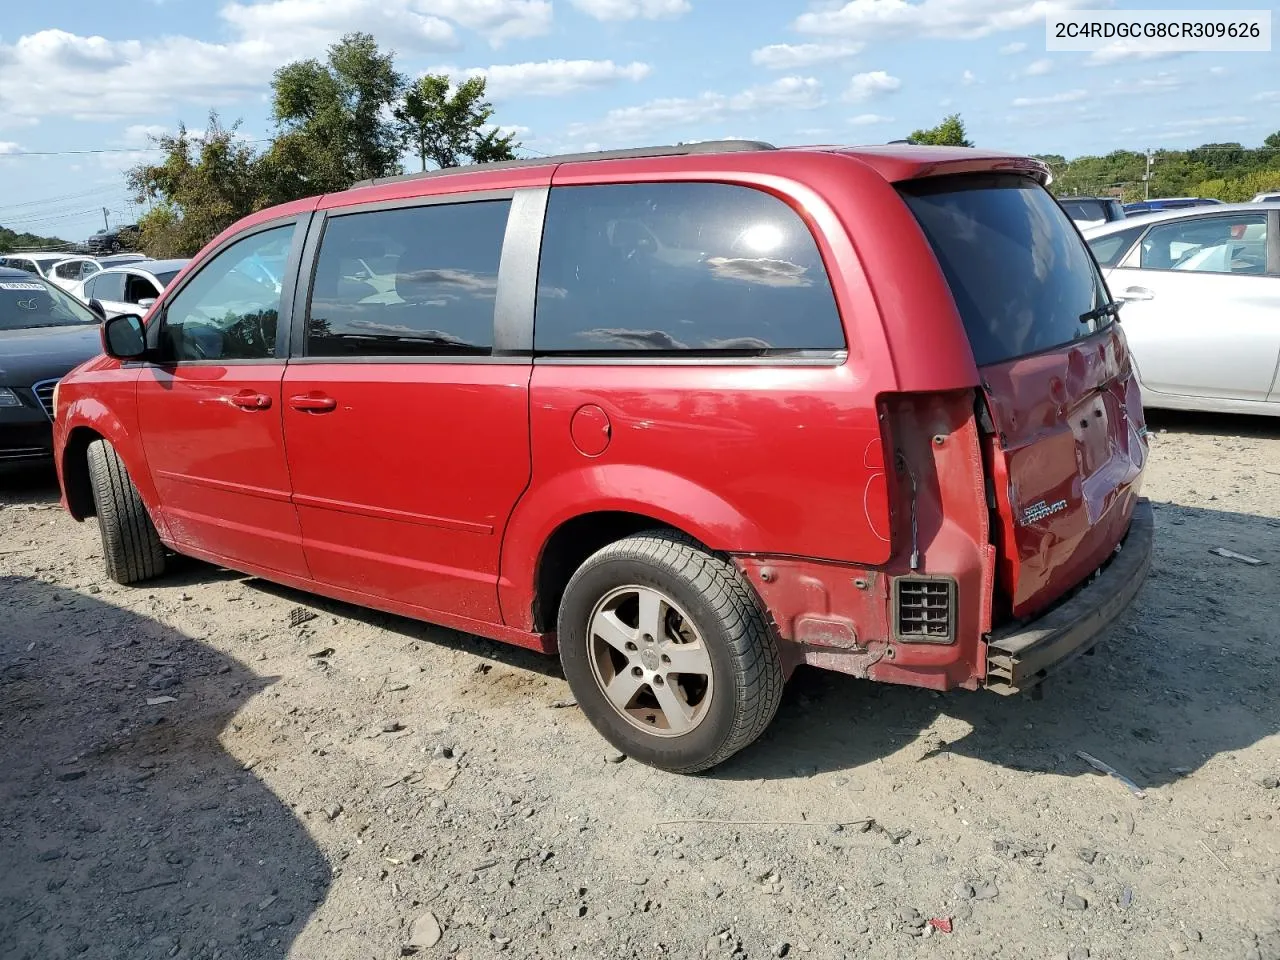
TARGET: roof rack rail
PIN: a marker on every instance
(674, 150)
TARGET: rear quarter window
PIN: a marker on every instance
(680, 268)
(1018, 269)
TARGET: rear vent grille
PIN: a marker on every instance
(924, 610)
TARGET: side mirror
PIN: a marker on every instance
(96, 306)
(124, 337)
(146, 303)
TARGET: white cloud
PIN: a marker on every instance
(627, 123)
(1122, 51)
(869, 119)
(58, 73)
(1204, 122)
(1217, 71)
(632, 9)
(1163, 82)
(946, 19)
(865, 86)
(968, 78)
(1067, 96)
(141, 134)
(1266, 96)
(299, 27)
(549, 78)
(8, 146)
(497, 20)
(1011, 48)
(796, 56)
(1038, 68)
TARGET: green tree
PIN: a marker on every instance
(450, 128)
(204, 184)
(335, 119)
(949, 133)
(11, 240)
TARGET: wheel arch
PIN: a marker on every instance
(74, 469)
(557, 526)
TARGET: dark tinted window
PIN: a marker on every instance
(166, 278)
(414, 281)
(1084, 209)
(1018, 270)
(138, 288)
(108, 286)
(1110, 249)
(230, 308)
(679, 267)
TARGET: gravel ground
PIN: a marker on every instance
(328, 782)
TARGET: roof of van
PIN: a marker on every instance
(894, 161)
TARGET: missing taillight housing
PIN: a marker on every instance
(924, 610)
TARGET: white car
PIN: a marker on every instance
(1199, 290)
(72, 271)
(38, 263)
(131, 288)
(1271, 196)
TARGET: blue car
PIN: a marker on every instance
(1166, 203)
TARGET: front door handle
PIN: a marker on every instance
(248, 400)
(1136, 293)
(313, 404)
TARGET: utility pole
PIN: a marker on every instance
(1146, 181)
(105, 224)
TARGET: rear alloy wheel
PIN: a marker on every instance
(668, 652)
(130, 544)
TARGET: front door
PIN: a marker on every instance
(1201, 307)
(408, 439)
(209, 412)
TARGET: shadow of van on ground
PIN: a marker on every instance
(1187, 674)
(126, 830)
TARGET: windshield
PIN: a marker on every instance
(1021, 276)
(36, 303)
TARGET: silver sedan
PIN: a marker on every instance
(1200, 296)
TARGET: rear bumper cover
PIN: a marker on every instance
(1020, 657)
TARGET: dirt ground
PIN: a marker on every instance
(332, 783)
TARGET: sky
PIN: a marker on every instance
(84, 86)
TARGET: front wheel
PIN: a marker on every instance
(668, 652)
(130, 544)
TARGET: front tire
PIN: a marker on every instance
(130, 544)
(668, 652)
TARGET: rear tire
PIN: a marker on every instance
(668, 652)
(130, 545)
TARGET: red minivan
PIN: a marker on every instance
(692, 415)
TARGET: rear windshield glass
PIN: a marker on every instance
(1021, 276)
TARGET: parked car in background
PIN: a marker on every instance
(73, 271)
(119, 259)
(953, 503)
(131, 288)
(1270, 197)
(1166, 203)
(1091, 211)
(113, 240)
(1201, 295)
(44, 332)
(37, 264)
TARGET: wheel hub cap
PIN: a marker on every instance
(650, 661)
